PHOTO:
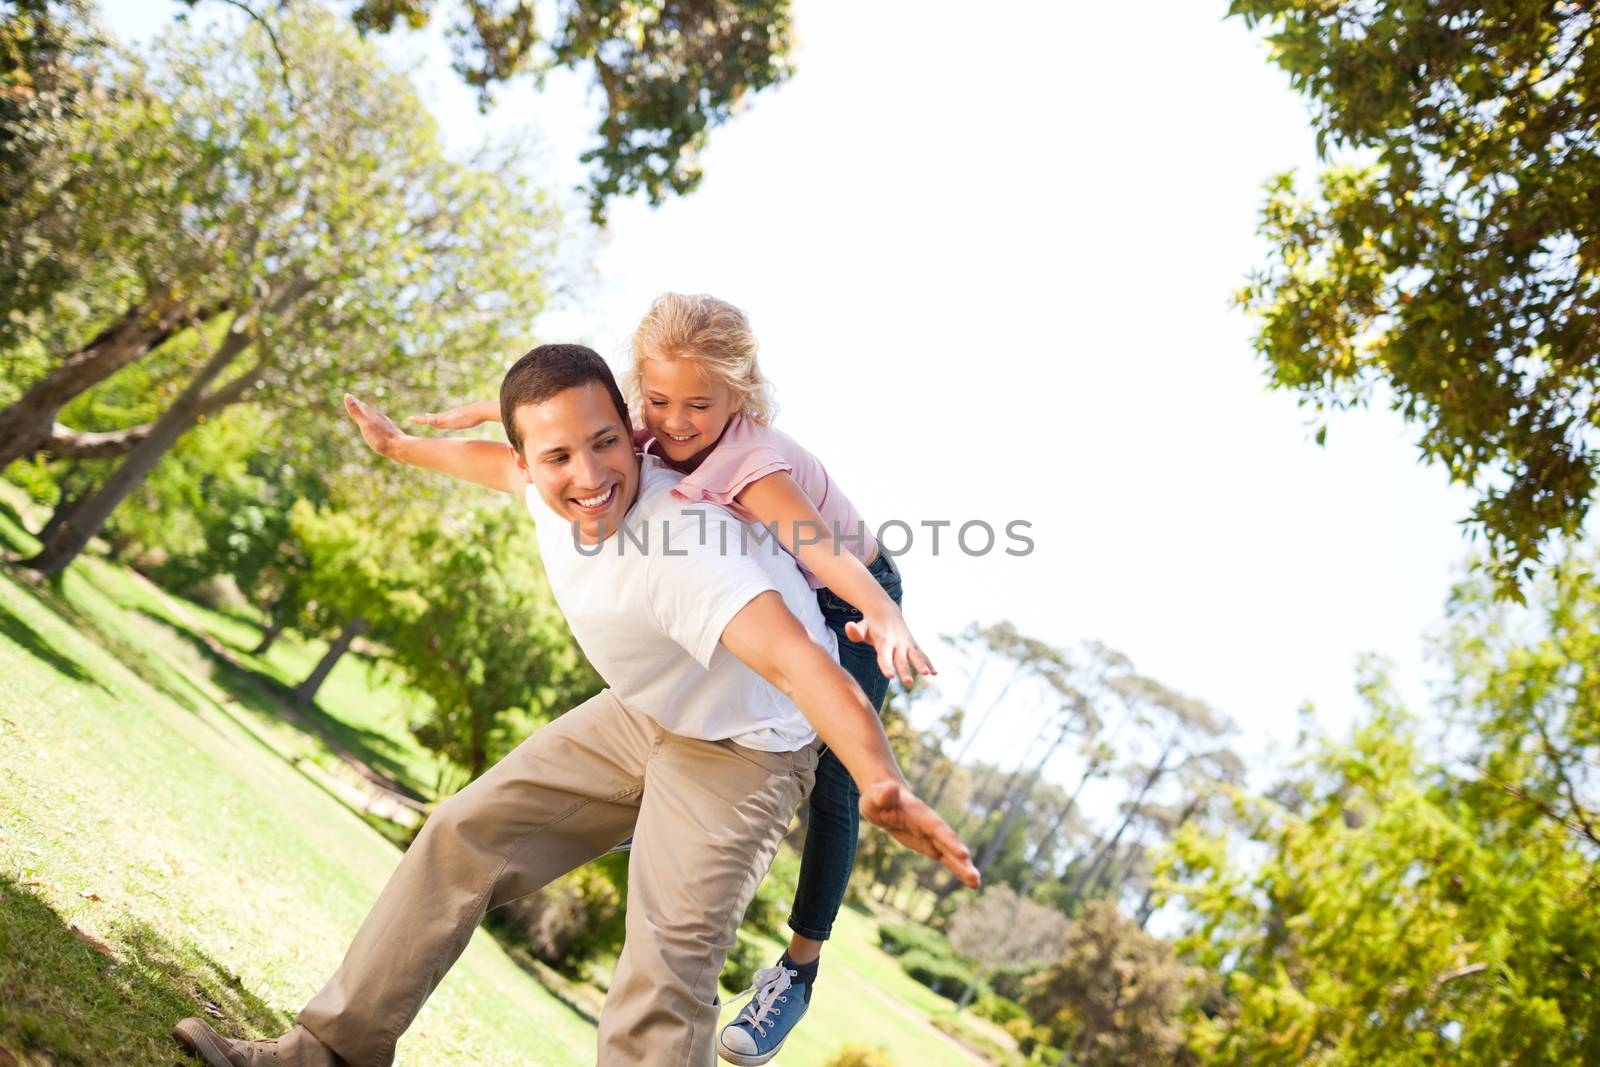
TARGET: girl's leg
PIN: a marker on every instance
(832, 829)
(782, 992)
(826, 859)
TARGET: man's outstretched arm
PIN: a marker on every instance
(485, 463)
(768, 639)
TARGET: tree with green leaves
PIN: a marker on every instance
(1115, 996)
(462, 611)
(1399, 910)
(1452, 256)
(329, 242)
(670, 71)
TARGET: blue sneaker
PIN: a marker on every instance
(759, 1031)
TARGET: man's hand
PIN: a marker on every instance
(895, 809)
(898, 652)
(377, 429)
(464, 417)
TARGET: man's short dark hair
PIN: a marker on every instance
(552, 369)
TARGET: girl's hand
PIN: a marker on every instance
(898, 652)
(379, 431)
(461, 418)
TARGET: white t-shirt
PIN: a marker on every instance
(648, 606)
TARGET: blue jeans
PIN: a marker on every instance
(829, 854)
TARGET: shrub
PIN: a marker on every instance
(998, 1009)
(1009, 980)
(769, 908)
(1029, 1036)
(739, 970)
(573, 919)
(944, 976)
(858, 1056)
(898, 939)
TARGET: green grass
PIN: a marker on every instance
(162, 848)
(141, 807)
(862, 997)
(359, 708)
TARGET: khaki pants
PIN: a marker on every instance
(707, 818)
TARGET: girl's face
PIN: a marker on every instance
(683, 410)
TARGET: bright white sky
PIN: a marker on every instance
(989, 253)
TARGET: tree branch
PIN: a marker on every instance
(272, 38)
(68, 443)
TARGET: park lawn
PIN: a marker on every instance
(360, 707)
(237, 879)
(863, 997)
(157, 854)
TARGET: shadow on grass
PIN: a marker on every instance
(9, 515)
(266, 695)
(29, 640)
(63, 997)
(152, 671)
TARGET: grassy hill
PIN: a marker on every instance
(173, 841)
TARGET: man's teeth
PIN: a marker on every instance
(596, 501)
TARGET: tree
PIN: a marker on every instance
(1458, 262)
(1115, 996)
(998, 928)
(463, 612)
(337, 246)
(1399, 913)
(1524, 681)
(670, 71)
(499, 662)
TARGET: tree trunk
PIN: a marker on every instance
(64, 508)
(1018, 803)
(976, 730)
(305, 694)
(1104, 852)
(1147, 903)
(274, 628)
(86, 521)
(30, 421)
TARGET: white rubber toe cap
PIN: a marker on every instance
(737, 1039)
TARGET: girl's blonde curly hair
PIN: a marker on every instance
(712, 332)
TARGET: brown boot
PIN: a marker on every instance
(215, 1050)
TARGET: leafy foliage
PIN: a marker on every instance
(466, 614)
(898, 939)
(1404, 914)
(1459, 263)
(858, 1056)
(670, 71)
(769, 909)
(943, 975)
(1116, 994)
(576, 918)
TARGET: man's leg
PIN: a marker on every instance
(710, 822)
(562, 797)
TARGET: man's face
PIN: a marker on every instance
(578, 453)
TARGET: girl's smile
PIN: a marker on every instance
(683, 410)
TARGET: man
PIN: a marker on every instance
(719, 667)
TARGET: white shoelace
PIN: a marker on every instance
(770, 984)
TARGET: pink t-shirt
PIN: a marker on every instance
(748, 452)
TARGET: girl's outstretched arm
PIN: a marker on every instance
(486, 463)
(461, 418)
(777, 499)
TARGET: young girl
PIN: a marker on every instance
(704, 409)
